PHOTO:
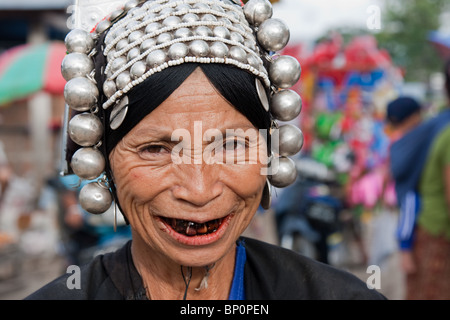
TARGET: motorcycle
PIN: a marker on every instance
(307, 212)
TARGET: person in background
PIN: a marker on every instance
(420, 163)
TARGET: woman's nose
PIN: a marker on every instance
(198, 185)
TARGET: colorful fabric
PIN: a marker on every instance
(431, 281)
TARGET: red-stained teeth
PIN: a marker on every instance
(191, 229)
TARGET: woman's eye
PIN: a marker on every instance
(155, 149)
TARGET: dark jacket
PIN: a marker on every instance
(271, 273)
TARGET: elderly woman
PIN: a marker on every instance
(174, 108)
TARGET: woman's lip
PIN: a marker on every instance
(197, 240)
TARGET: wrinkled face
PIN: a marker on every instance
(187, 187)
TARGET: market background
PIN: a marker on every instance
(356, 56)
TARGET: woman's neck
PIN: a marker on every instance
(164, 279)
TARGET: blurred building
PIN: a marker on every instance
(30, 125)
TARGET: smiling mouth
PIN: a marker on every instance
(191, 229)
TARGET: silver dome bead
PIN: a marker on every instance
(203, 31)
(152, 27)
(238, 54)
(156, 58)
(285, 105)
(135, 35)
(80, 94)
(219, 49)
(79, 40)
(121, 44)
(147, 44)
(290, 140)
(284, 72)
(273, 35)
(94, 198)
(123, 79)
(130, 5)
(88, 163)
(237, 37)
(258, 11)
(85, 129)
(199, 48)
(183, 7)
(284, 172)
(171, 21)
(76, 65)
(208, 17)
(222, 32)
(200, 5)
(118, 63)
(183, 33)
(190, 17)
(115, 14)
(254, 61)
(109, 88)
(164, 38)
(138, 69)
(178, 50)
(102, 26)
(133, 53)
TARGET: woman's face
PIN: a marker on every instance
(187, 185)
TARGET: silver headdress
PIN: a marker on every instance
(142, 38)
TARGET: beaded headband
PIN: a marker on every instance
(145, 37)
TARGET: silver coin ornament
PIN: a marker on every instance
(285, 105)
(285, 72)
(80, 94)
(88, 163)
(76, 65)
(266, 199)
(95, 198)
(258, 11)
(273, 35)
(291, 140)
(79, 40)
(285, 172)
(85, 129)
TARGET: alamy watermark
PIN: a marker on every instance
(373, 22)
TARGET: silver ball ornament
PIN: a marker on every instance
(258, 11)
(285, 105)
(76, 65)
(219, 49)
(156, 58)
(88, 163)
(273, 35)
(177, 50)
(284, 72)
(80, 94)
(102, 26)
(284, 172)
(85, 129)
(199, 48)
(79, 40)
(290, 140)
(94, 198)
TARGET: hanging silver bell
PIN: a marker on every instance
(80, 94)
(291, 140)
(284, 172)
(273, 35)
(79, 40)
(76, 65)
(85, 129)
(284, 72)
(258, 11)
(88, 163)
(285, 105)
(95, 198)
